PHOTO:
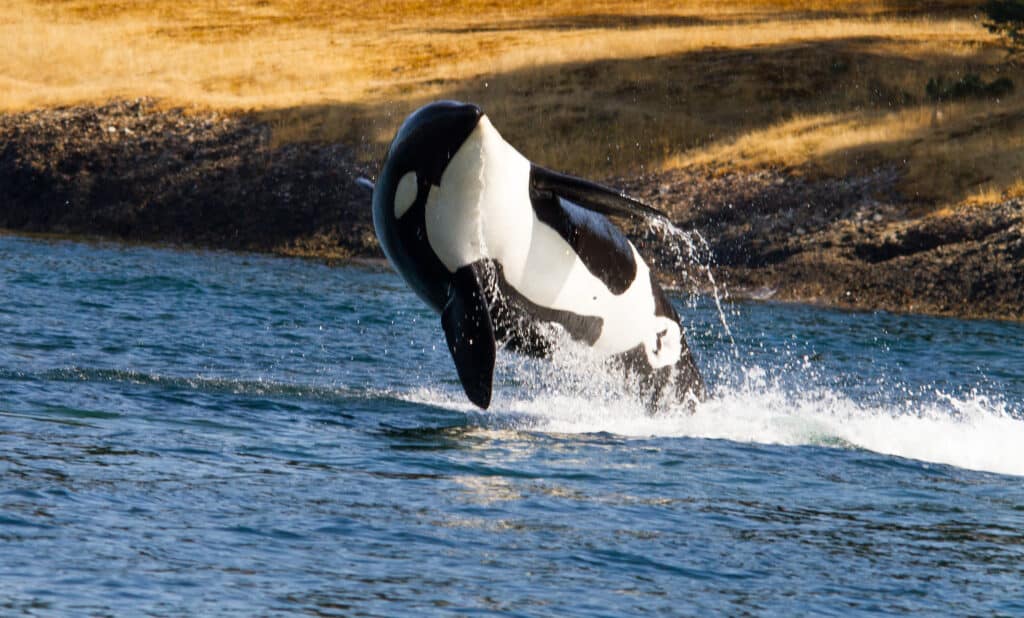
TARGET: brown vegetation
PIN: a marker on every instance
(597, 88)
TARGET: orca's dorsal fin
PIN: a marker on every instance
(590, 195)
(470, 334)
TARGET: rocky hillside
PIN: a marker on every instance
(130, 170)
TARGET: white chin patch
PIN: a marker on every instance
(664, 345)
(405, 194)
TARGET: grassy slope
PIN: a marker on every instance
(599, 88)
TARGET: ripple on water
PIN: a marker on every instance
(210, 434)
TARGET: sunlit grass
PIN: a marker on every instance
(598, 88)
(260, 54)
(974, 150)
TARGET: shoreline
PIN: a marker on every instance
(129, 171)
(734, 296)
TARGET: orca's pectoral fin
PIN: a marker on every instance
(365, 183)
(467, 326)
(590, 195)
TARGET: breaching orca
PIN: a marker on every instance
(510, 253)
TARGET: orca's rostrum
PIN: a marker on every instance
(510, 253)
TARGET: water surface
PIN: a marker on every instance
(197, 433)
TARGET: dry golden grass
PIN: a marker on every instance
(598, 88)
(947, 153)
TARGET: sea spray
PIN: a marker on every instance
(684, 254)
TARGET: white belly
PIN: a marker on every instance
(482, 210)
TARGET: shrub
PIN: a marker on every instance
(970, 86)
(1006, 18)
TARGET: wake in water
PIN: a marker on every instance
(975, 431)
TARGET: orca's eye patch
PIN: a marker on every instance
(405, 193)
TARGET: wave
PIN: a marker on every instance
(973, 431)
(198, 383)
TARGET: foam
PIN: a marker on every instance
(973, 432)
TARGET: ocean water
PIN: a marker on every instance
(203, 433)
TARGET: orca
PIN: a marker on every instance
(511, 254)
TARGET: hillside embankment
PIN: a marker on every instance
(133, 171)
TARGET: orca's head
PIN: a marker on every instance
(416, 160)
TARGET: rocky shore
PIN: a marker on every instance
(848, 242)
(129, 170)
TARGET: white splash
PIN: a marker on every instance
(972, 432)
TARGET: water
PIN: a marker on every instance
(189, 433)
